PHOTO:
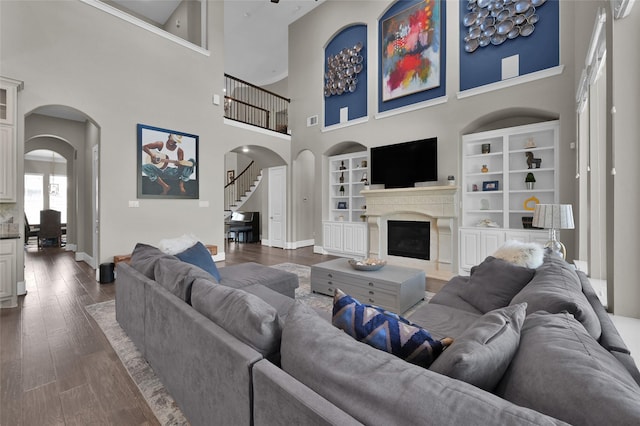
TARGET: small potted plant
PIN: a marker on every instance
(530, 180)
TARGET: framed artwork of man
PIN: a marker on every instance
(167, 163)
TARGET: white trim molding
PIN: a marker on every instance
(538, 75)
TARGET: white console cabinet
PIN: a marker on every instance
(494, 192)
(8, 113)
(345, 238)
(476, 244)
(8, 298)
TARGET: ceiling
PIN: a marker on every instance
(255, 33)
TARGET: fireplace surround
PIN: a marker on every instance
(434, 204)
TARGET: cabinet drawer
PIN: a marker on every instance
(360, 281)
(370, 296)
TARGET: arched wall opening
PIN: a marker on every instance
(75, 136)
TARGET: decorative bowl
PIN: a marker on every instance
(368, 264)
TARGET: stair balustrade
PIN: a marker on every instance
(253, 105)
(241, 186)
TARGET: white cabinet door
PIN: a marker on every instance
(489, 243)
(7, 268)
(332, 236)
(354, 238)
(476, 245)
(7, 164)
(469, 249)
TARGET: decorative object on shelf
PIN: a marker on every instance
(474, 188)
(364, 179)
(486, 148)
(492, 22)
(490, 185)
(487, 223)
(531, 161)
(527, 222)
(530, 180)
(484, 168)
(411, 49)
(452, 180)
(363, 217)
(342, 71)
(368, 264)
(484, 204)
(340, 218)
(341, 190)
(342, 166)
(530, 144)
(530, 203)
(341, 177)
(554, 217)
(342, 205)
(363, 164)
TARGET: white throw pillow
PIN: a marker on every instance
(529, 255)
(177, 245)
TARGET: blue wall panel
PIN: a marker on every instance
(356, 101)
(539, 51)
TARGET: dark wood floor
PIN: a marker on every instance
(56, 366)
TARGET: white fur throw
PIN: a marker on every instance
(177, 245)
(529, 255)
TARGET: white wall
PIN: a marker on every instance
(70, 53)
(551, 97)
(624, 227)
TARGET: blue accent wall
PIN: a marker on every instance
(356, 101)
(426, 95)
(539, 51)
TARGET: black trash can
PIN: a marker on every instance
(107, 274)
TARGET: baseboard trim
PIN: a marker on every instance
(84, 257)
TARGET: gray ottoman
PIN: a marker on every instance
(248, 274)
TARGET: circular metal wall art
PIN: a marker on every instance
(496, 21)
(342, 71)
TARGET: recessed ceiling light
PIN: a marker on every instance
(245, 149)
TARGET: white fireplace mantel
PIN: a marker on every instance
(435, 204)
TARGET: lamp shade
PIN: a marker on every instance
(553, 216)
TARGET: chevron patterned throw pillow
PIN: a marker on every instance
(386, 331)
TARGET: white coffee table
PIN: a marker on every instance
(394, 288)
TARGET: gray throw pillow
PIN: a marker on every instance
(245, 316)
(562, 371)
(494, 282)
(482, 353)
(145, 257)
(177, 276)
(555, 288)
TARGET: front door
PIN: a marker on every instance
(277, 205)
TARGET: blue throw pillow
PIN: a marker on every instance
(386, 331)
(200, 256)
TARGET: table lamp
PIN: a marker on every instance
(553, 217)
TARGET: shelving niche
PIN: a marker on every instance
(504, 207)
(345, 232)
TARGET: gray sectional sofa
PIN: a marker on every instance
(530, 347)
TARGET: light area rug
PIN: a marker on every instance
(161, 403)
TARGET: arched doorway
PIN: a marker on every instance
(75, 137)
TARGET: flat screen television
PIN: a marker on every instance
(404, 164)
